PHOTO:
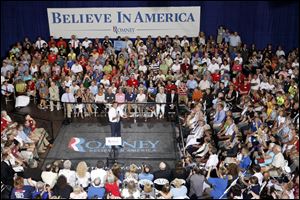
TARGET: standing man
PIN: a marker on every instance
(114, 119)
(68, 98)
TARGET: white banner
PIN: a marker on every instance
(131, 22)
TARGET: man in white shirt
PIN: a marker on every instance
(39, 43)
(184, 41)
(86, 42)
(204, 83)
(68, 173)
(160, 98)
(98, 66)
(76, 68)
(278, 161)
(143, 67)
(99, 172)
(214, 66)
(176, 66)
(7, 89)
(114, 119)
(255, 82)
(68, 98)
(6, 67)
(239, 58)
(74, 42)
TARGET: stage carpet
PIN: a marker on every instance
(143, 142)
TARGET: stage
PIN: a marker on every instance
(143, 142)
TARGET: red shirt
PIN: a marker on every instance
(51, 42)
(4, 124)
(113, 189)
(100, 50)
(236, 68)
(59, 43)
(83, 62)
(170, 87)
(216, 77)
(184, 67)
(51, 58)
(31, 87)
(244, 88)
(132, 82)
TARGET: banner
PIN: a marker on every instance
(131, 22)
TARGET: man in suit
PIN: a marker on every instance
(7, 171)
(172, 100)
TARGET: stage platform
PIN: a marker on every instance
(143, 142)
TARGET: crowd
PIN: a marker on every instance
(240, 124)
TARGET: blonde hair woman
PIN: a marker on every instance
(78, 193)
(82, 175)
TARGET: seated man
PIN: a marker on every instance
(219, 118)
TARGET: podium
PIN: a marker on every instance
(113, 142)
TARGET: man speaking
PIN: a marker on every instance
(114, 119)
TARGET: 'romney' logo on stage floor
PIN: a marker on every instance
(75, 144)
(84, 145)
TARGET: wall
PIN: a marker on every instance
(259, 22)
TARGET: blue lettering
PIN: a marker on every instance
(191, 17)
(56, 16)
(180, 19)
(169, 17)
(150, 17)
(160, 17)
(107, 18)
(73, 19)
(98, 17)
(138, 17)
(89, 18)
(66, 19)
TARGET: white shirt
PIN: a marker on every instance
(141, 98)
(257, 82)
(260, 177)
(161, 98)
(49, 178)
(7, 89)
(67, 97)
(213, 67)
(100, 99)
(83, 181)
(175, 67)
(183, 42)
(40, 43)
(98, 173)
(76, 68)
(278, 161)
(74, 89)
(54, 49)
(240, 59)
(99, 67)
(69, 174)
(204, 84)
(280, 53)
(143, 68)
(86, 44)
(74, 43)
(112, 113)
(225, 67)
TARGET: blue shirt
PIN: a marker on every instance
(191, 84)
(130, 97)
(219, 187)
(24, 137)
(149, 177)
(245, 162)
(220, 117)
(24, 193)
(96, 191)
(94, 89)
